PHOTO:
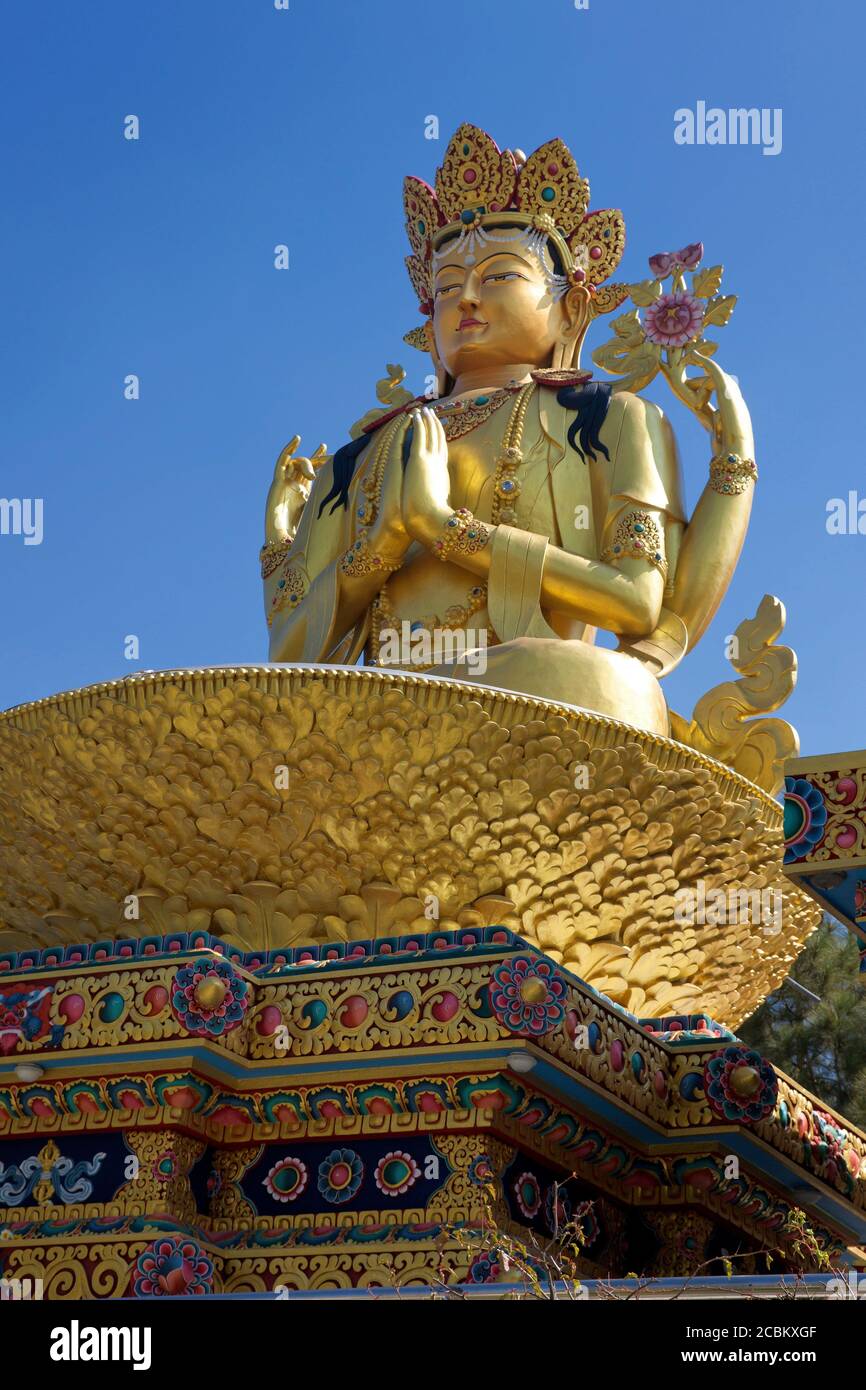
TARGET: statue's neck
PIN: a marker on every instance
(488, 378)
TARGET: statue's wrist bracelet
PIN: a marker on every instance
(731, 474)
(272, 555)
(462, 534)
(361, 560)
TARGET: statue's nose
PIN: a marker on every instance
(471, 294)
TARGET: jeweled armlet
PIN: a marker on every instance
(292, 586)
(637, 537)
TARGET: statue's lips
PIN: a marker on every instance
(470, 323)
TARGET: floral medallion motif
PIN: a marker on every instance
(528, 1195)
(167, 1166)
(286, 1180)
(480, 1171)
(208, 998)
(527, 995)
(396, 1173)
(805, 818)
(24, 1016)
(340, 1175)
(172, 1265)
(740, 1085)
(485, 1268)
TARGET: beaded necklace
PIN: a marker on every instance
(368, 506)
(506, 484)
(459, 417)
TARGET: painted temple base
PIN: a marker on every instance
(352, 1115)
(308, 974)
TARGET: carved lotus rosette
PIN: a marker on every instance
(279, 805)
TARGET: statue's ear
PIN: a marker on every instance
(430, 338)
(577, 312)
(578, 308)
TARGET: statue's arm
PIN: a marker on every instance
(717, 529)
(621, 593)
(625, 598)
(314, 599)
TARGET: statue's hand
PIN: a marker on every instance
(732, 423)
(729, 421)
(426, 485)
(293, 479)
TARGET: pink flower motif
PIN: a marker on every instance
(662, 264)
(664, 261)
(690, 257)
(674, 319)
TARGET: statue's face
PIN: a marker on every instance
(498, 310)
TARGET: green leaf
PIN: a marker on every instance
(719, 310)
(627, 325)
(706, 282)
(645, 292)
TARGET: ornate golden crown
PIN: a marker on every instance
(480, 185)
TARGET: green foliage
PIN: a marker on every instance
(820, 1043)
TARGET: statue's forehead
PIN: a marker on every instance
(465, 260)
(466, 252)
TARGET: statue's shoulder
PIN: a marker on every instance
(643, 453)
(373, 421)
(633, 424)
(639, 412)
(578, 391)
(394, 400)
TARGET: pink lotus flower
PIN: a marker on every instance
(674, 319)
(662, 264)
(689, 257)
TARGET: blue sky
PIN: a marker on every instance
(261, 127)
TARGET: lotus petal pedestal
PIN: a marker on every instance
(273, 806)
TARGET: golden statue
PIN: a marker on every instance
(489, 532)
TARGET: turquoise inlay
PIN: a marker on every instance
(111, 1008)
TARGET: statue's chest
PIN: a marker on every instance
(474, 472)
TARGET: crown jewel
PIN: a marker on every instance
(477, 183)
